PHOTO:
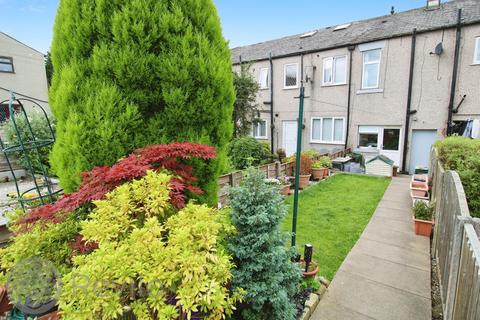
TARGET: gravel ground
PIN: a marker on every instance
(437, 308)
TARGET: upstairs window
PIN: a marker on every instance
(263, 78)
(371, 69)
(259, 129)
(476, 55)
(6, 64)
(291, 76)
(335, 70)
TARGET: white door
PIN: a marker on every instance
(290, 137)
(422, 141)
(390, 144)
(384, 140)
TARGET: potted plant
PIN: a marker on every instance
(305, 171)
(423, 214)
(5, 305)
(320, 168)
(311, 270)
(282, 183)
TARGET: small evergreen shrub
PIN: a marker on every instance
(42, 131)
(263, 263)
(463, 155)
(247, 151)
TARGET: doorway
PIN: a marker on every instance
(290, 137)
(422, 141)
(386, 140)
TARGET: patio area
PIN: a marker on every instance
(387, 273)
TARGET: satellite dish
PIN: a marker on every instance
(439, 49)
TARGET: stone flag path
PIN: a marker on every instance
(386, 276)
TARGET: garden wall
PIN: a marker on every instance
(272, 170)
(456, 245)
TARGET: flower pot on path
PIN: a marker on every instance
(312, 271)
(319, 173)
(423, 227)
(285, 190)
(303, 180)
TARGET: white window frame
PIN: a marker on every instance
(476, 50)
(260, 78)
(312, 140)
(254, 132)
(333, 82)
(379, 62)
(285, 76)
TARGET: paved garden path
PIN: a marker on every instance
(386, 276)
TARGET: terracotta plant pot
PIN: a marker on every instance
(5, 305)
(50, 316)
(303, 180)
(418, 185)
(319, 173)
(423, 227)
(285, 190)
(313, 269)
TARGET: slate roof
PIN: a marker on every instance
(362, 31)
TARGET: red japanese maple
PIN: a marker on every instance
(101, 180)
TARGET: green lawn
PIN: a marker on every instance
(332, 215)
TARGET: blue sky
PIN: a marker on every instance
(243, 21)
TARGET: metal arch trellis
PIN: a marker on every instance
(43, 188)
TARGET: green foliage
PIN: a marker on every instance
(132, 73)
(49, 68)
(50, 241)
(148, 259)
(245, 109)
(263, 265)
(268, 156)
(463, 155)
(313, 154)
(247, 151)
(42, 131)
(323, 162)
(310, 283)
(423, 210)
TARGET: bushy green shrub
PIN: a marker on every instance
(263, 263)
(423, 210)
(247, 151)
(463, 155)
(41, 130)
(323, 162)
(130, 73)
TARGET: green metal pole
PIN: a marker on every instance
(297, 165)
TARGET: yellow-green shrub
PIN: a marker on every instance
(157, 264)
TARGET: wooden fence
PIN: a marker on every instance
(456, 245)
(272, 170)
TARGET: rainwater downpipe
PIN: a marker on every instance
(409, 101)
(455, 72)
(272, 126)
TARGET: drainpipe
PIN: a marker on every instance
(350, 49)
(455, 72)
(409, 101)
(272, 126)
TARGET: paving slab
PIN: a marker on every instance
(386, 275)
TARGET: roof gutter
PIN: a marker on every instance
(409, 101)
(454, 73)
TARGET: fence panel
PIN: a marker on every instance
(456, 246)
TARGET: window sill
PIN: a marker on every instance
(263, 89)
(334, 85)
(367, 91)
(11, 72)
(261, 138)
(476, 64)
(290, 88)
(327, 142)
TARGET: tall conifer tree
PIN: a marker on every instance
(134, 72)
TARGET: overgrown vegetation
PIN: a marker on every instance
(245, 108)
(463, 155)
(129, 73)
(248, 151)
(42, 131)
(263, 265)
